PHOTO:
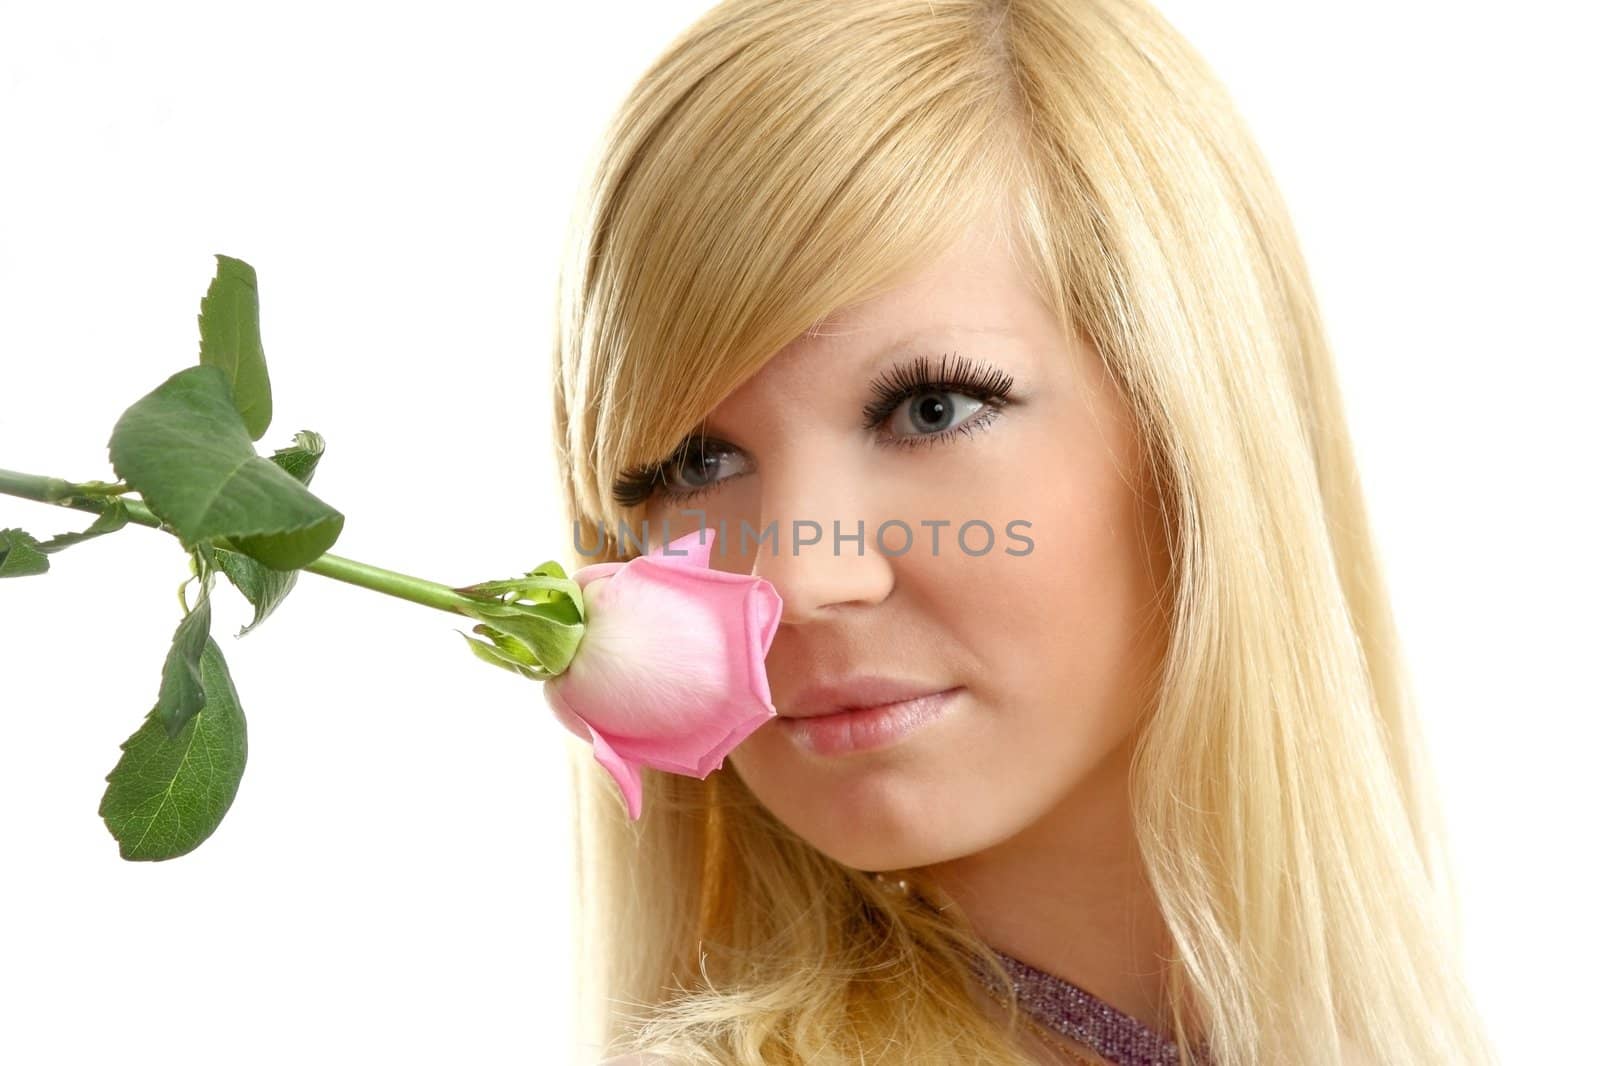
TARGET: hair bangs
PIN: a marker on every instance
(754, 185)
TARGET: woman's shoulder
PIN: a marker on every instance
(638, 1058)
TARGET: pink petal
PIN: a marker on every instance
(697, 754)
(563, 710)
(624, 772)
(586, 574)
(674, 664)
(697, 544)
(672, 672)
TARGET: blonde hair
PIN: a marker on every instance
(785, 158)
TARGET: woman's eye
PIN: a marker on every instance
(932, 411)
(698, 470)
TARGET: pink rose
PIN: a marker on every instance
(671, 669)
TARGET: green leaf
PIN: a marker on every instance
(182, 689)
(230, 340)
(507, 647)
(546, 583)
(534, 623)
(113, 518)
(167, 794)
(263, 587)
(185, 450)
(500, 654)
(23, 556)
(301, 457)
(20, 555)
(544, 630)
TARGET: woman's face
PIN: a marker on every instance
(1048, 633)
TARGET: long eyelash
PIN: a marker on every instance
(638, 484)
(987, 384)
(908, 379)
(635, 486)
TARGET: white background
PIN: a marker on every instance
(391, 881)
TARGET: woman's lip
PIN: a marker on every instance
(855, 691)
(864, 728)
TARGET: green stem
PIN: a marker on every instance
(352, 572)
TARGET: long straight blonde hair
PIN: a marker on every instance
(785, 158)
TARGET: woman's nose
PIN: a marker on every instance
(816, 542)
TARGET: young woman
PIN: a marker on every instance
(991, 312)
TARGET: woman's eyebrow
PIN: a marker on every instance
(922, 334)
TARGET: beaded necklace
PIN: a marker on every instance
(1049, 1036)
(1055, 1007)
(1073, 1012)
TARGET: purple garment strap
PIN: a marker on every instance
(1081, 1016)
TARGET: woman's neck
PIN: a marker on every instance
(1068, 895)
